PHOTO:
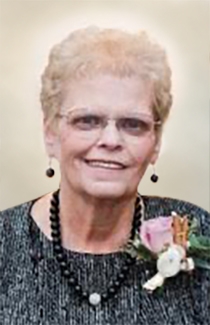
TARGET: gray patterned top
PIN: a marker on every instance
(33, 291)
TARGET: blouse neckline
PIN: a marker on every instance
(38, 233)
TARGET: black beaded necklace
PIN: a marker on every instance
(93, 298)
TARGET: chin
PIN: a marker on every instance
(106, 191)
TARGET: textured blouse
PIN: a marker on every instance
(34, 292)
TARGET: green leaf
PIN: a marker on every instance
(144, 253)
(197, 253)
(136, 249)
(199, 242)
(194, 226)
(202, 263)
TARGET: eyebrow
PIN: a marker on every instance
(102, 110)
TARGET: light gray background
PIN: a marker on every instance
(28, 29)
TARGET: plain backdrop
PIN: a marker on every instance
(28, 29)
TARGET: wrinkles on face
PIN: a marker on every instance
(116, 97)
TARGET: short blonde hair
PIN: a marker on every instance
(92, 50)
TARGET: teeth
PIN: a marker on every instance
(105, 164)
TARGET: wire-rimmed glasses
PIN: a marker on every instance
(90, 123)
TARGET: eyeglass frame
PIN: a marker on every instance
(66, 115)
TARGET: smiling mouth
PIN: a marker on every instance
(113, 165)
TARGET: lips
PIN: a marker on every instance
(107, 164)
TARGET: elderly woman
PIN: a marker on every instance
(70, 257)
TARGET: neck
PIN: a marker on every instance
(95, 225)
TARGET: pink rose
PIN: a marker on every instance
(156, 233)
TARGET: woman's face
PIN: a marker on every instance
(108, 161)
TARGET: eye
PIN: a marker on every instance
(134, 125)
(86, 122)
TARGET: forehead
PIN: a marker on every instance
(108, 92)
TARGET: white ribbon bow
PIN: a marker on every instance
(169, 263)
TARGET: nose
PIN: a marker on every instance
(110, 137)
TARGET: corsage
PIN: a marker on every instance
(174, 243)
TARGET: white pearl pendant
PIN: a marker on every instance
(94, 299)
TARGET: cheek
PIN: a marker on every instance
(71, 148)
(142, 154)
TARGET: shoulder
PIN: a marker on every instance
(16, 211)
(14, 220)
(13, 232)
(11, 219)
(159, 206)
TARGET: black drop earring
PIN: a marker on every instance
(154, 177)
(50, 171)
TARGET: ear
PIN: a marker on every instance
(51, 139)
(156, 151)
